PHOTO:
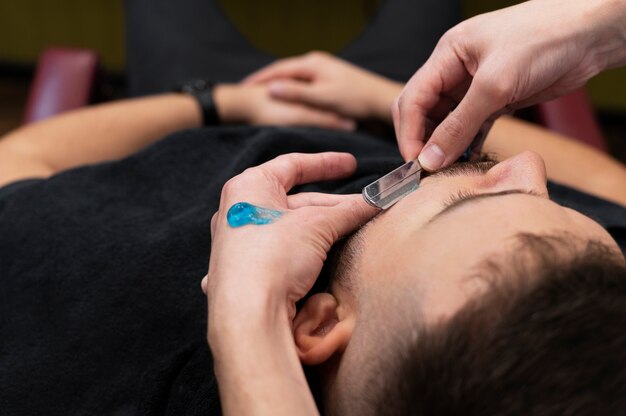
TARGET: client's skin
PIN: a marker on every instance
(457, 218)
(412, 266)
(409, 268)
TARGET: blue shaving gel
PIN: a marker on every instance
(243, 213)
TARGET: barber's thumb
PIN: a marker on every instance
(349, 215)
(448, 141)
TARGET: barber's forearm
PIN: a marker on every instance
(255, 361)
(101, 132)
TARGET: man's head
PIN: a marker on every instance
(455, 258)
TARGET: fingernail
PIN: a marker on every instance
(431, 157)
(277, 88)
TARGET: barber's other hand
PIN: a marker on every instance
(321, 80)
(252, 104)
(500, 61)
(275, 265)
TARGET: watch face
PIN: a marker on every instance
(286, 28)
(197, 85)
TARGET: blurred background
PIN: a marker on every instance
(29, 26)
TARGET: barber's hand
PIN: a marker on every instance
(321, 80)
(279, 262)
(252, 104)
(258, 272)
(500, 61)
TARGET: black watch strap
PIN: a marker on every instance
(202, 91)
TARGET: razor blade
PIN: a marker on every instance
(394, 186)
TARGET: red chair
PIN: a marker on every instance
(65, 80)
(572, 115)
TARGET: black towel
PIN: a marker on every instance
(101, 310)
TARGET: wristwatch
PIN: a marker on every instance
(202, 90)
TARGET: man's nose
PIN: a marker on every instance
(525, 171)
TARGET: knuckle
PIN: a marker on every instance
(459, 31)
(406, 105)
(229, 187)
(453, 127)
(312, 55)
(317, 55)
(447, 37)
(499, 90)
(496, 86)
(395, 107)
(214, 221)
(451, 38)
(235, 185)
(287, 159)
(400, 102)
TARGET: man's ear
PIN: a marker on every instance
(321, 330)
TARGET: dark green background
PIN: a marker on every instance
(283, 27)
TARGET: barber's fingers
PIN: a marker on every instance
(345, 217)
(430, 123)
(455, 133)
(409, 119)
(435, 116)
(296, 67)
(300, 168)
(305, 199)
(443, 73)
(266, 185)
(298, 91)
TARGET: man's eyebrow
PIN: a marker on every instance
(463, 201)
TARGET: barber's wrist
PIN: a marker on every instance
(257, 367)
(255, 358)
(235, 305)
(229, 326)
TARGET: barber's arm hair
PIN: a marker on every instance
(567, 161)
(94, 134)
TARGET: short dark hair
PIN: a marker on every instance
(554, 344)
